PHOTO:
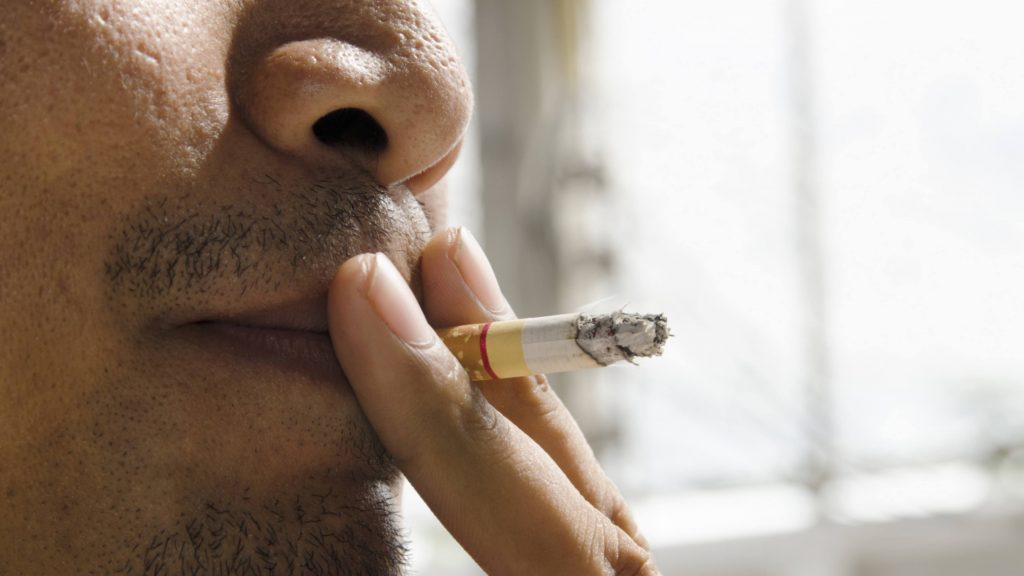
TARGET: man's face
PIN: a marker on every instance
(178, 182)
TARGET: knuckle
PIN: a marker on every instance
(641, 566)
(611, 550)
(535, 394)
(619, 513)
(627, 558)
(476, 418)
(443, 408)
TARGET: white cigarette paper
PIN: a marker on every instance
(550, 344)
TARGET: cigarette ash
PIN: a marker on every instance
(611, 338)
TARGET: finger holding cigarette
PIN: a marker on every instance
(502, 464)
(563, 343)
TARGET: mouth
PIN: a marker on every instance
(290, 338)
(287, 343)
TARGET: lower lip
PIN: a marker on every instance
(297, 351)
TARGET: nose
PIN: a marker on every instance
(393, 95)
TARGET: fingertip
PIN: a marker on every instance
(435, 254)
(394, 303)
(460, 286)
(353, 273)
(351, 278)
(477, 273)
(445, 297)
(371, 281)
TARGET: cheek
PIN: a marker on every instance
(163, 61)
(101, 103)
(101, 89)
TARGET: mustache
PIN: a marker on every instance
(190, 243)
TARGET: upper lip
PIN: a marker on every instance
(301, 309)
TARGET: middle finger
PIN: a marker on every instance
(460, 288)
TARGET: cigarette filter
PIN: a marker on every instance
(549, 344)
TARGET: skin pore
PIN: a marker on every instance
(161, 185)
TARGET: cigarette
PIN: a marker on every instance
(562, 343)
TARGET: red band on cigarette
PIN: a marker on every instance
(483, 351)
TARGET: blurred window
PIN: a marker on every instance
(891, 336)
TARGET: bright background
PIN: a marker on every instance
(827, 199)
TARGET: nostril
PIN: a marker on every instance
(351, 127)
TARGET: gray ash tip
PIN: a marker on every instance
(610, 338)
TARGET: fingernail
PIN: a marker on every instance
(394, 303)
(476, 271)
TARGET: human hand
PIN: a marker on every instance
(502, 464)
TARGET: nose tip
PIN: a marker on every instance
(401, 110)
